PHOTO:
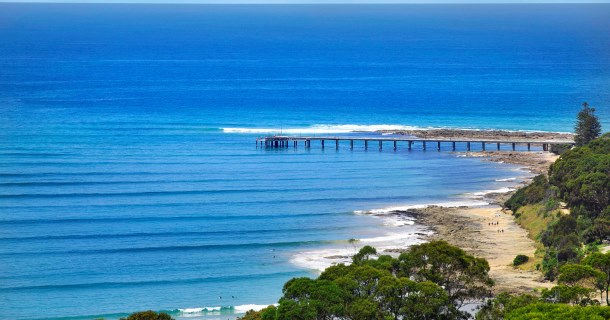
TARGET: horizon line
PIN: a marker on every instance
(306, 2)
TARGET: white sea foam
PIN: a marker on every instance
(486, 192)
(322, 129)
(247, 307)
(199, 310)
(347, 128)
(506, 180)
(447, 204)
(193, 312)
(321, 259)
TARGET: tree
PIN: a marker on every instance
(587, 126)
(429, 282)
(502, 304)
(464, 277)
(305, 298)
(601, 262)
(548, 311)
(148, 315)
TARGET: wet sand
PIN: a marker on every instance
(489, 231)
(470, 229)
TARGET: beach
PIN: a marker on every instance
(489, 231)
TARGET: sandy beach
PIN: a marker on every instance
(489, 231)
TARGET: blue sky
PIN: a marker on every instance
(316, 1)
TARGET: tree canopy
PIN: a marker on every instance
(587, 125)
(148, 315)
(430, 281)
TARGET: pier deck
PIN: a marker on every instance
(293, 141)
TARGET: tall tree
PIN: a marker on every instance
(587, 125)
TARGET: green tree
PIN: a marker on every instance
(601, 261)
(548, 311)
(463, 277)
(364, 254)
(305, 298)
(148, 315)
(504, 303)
(587, 125)
(566, 294)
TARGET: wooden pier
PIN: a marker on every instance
(426, 144)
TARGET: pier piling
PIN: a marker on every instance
(282, 142)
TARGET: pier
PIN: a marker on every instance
(406, 142)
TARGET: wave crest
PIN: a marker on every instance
(322, 128)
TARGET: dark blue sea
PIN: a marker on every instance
(129, 175)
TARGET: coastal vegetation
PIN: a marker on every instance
(429, 281)
(520, 259)
(569, 238)
(587, 125)
(148, 315)
(580, 178)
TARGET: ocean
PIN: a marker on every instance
(129, 174)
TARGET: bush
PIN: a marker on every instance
(520, 259)
(148, 315)
(533, 193)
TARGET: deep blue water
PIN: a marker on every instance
(120, 190)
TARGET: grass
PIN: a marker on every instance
(534, 219)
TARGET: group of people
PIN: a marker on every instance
(495, 223)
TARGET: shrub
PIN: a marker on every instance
(148, 315)
(520, 259)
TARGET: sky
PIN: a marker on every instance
(314, 1)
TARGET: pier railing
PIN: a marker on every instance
(437, 143)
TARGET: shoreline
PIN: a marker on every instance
(489, 231)
(464, 224)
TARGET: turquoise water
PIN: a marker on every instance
(129, 176)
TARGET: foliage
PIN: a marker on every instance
(601, 262)
(559, 148)
(268, 313)
(587, 125)
(548, 311)
(532, 193)
(463, 276)
(581, 178)
(430, 281)
(567, 294)
(503, 303)
(520, 259)
(148, 315)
